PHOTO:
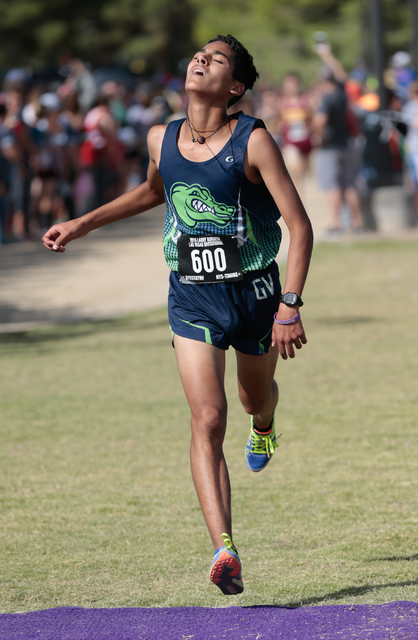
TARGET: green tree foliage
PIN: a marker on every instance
(279, 33)
(38, 32)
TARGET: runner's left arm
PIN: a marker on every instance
(265, 160)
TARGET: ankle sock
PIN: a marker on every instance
(262, 431)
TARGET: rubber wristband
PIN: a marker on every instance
(290, 321)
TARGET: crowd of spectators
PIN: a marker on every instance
(361, 144)
(70, 145)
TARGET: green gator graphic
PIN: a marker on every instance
(195, 204)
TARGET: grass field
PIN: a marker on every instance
(97, 503)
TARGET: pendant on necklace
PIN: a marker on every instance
(201, 140)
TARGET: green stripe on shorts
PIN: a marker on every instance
(208, 338)
(260, 344)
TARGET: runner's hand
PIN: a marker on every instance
(59, 235)
(288, 336)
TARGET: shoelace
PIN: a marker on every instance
(263, 444)
(228, 544)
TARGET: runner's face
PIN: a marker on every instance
(211, 70)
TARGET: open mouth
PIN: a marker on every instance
(200, 206)
(197, 72)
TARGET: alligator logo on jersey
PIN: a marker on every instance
(194, 205)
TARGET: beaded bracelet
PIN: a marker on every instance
(290, 321)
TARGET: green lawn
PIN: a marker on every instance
(97, 503)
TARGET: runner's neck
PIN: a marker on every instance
(205, 117)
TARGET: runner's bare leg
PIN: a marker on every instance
(258, 391)
(202, 371)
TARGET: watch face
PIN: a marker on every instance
(290, 298)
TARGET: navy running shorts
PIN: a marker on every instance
(237, 314)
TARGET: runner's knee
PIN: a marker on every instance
(258, 403)
(254, 406)
(209, 422)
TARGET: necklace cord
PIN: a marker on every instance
(202, 139)
(232, 151)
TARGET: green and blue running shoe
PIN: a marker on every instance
(260, 447)
(225, 571)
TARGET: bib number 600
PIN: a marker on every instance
(208, 261)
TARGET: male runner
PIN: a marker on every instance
(225, 185)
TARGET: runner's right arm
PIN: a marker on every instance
(147, 196)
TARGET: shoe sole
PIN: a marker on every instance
(224, 573)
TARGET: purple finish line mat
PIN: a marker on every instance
(393, 621)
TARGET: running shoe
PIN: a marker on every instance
(225, 571)
(260, 447)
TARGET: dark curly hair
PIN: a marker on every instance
(244, 69)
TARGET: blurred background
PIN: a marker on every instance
(83, 81)
(155, 36)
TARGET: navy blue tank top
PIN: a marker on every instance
(215, 197)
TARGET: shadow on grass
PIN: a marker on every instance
(346, 320)
(82, 328)
(396, 558)
(338, 595)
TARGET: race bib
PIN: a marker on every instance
(209, 259)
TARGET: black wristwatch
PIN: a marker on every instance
(291, 300)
